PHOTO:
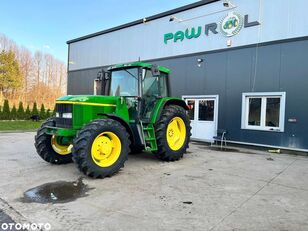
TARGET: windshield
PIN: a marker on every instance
(124, 82)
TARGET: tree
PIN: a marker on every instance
(48, 113)
(27, 113)
(30, 76)
(10, 74)
(20, 111)
(6, 110)
(13, 115)
(54, 111)
(34, 109)
(26, 66)
(42, 112)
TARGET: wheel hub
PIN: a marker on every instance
(176, 133)
(103, 147)
(58, 146)
(106, 149)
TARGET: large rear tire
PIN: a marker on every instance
(100, 149)
(50, 147)
(172, 133)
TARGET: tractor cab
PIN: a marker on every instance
(141, 84)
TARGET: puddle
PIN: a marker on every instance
(56, 192)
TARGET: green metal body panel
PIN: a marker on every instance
(61, 131)
(87, 108)
(160, 105)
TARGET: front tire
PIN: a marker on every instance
(172, 133)
(100, 149)
(49, 148)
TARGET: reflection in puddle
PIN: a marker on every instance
(56, 192)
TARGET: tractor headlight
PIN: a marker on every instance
(67, 115)
(57, 114)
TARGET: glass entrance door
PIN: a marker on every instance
(203, 113)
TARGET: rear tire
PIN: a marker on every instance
(100, 149)
(44, 147)
(172, 149)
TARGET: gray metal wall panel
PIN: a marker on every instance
(266, 70)
(280, 67)
(280, 19)
(294, 80)
(81, 82)
(239, 72)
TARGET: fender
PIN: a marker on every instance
(164, 102)
(121, 121)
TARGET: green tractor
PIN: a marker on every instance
(130, 112)
(230, 23)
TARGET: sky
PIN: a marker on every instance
(46, 25)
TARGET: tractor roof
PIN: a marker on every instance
(138, 64)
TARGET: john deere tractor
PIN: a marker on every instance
(130, 112)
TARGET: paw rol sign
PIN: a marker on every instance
(229, 26)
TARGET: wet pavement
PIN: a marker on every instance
(209, 189)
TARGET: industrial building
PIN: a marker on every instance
(241, 66)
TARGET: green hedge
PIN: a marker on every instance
(20, 114)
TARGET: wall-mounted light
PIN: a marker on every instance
(174, 18)
(199, 62)
(228, 4)
(229, 42)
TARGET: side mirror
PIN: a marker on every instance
(107, 75)
(103, 75)
(155, 70)
(99, 82)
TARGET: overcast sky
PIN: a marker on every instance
(46, 25)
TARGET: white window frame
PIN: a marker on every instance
(263, 96)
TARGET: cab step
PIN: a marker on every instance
(149, 137)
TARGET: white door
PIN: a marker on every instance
(203, 114)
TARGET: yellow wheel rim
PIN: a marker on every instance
(60, 148)
(106, 149)
(176, 133)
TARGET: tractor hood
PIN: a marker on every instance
(89, 100)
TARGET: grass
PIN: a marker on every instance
(19, 125)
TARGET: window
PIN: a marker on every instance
(263, 111)
(206, 110)
(124, 82)
(154, 85)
